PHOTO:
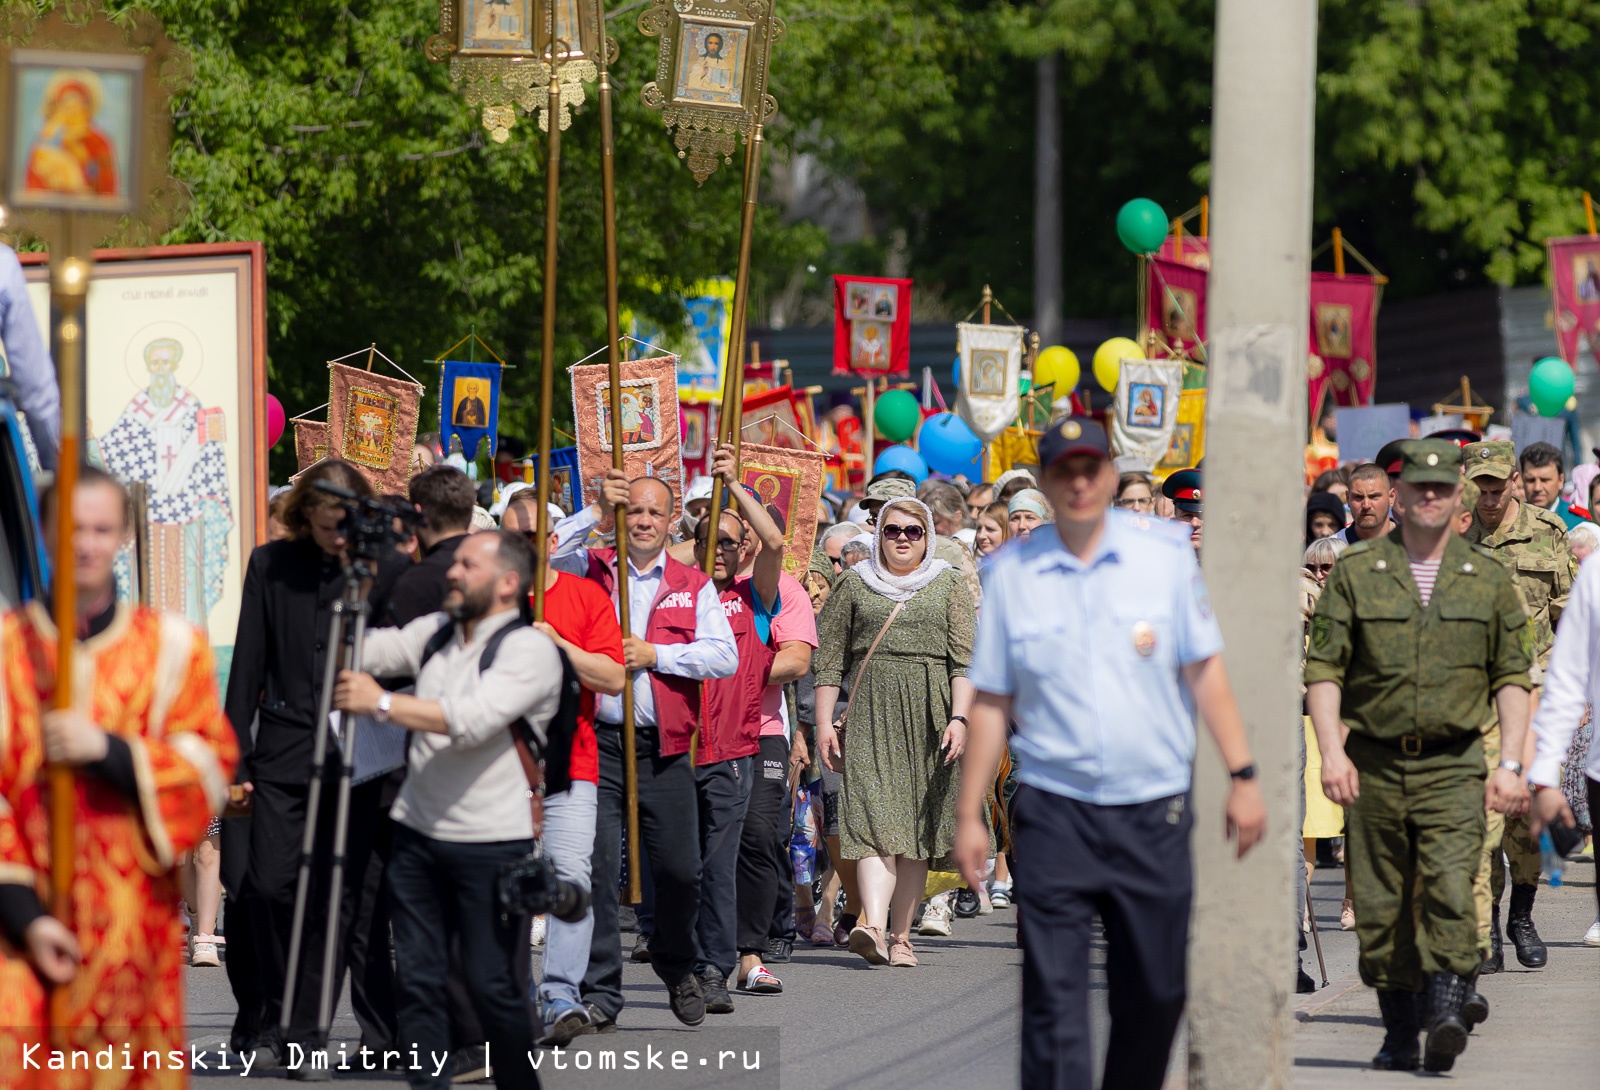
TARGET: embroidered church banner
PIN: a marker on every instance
(991, 363)
(871, 326)
(1575, 286)
(1176, 305)
(652, 442)
(469, 405)
(1343, 350)
(789, 482)
(1146, 409)
(310, 443)
(372, 424)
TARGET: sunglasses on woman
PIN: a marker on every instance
(910, 533)
(1320, 569)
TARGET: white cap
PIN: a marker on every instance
(699, 489)
(506, 493)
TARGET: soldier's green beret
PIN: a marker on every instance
(1491, 459)
(1430, 461)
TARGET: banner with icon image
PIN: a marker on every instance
(469, 405)
(1146, 410)
(1343, 340)
(1575, 293)
(871, 326)
(1176, 305)
(789, 484)
(310, 443)
(372, 424)
(1188, 443)
(991, 365)
(652, 439)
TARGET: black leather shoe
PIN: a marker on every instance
(1495, 961)
(779, 951)
(1519, 928)
(715, 988)
(688, 1001)
(1475, 1007)
(469, 1065)
(1399, 1051)
(1303, 984)
(968, 904)
(1447, 1030)
(641, 948)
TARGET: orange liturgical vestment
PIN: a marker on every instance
(148, 679)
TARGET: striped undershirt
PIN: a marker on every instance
(1425, 572)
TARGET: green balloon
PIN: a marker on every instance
(1142, 225)
(1550, 385)
(897, 415)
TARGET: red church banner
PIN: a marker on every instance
(1343, 360)
(871, 326)
(1176, 303)
(1575, 285)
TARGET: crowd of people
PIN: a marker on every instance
(854, 749)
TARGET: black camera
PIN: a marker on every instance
(369, 523)
(530, 887)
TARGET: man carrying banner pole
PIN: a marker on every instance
(608, 199)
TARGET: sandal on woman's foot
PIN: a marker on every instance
(1347, 916)
(900, 954)
(867, 942)
(822, 934)
(842, 928)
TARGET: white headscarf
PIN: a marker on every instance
(875, 572)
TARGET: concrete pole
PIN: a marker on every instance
(1047, 219)
(1241, 964)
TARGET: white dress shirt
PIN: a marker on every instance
(467, 785)
(1570, 683)
(712, 654)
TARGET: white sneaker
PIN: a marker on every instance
(936, 916)
(536, 936)
(1591, 937)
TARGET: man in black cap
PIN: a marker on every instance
(1183, 489)
(1102, 820)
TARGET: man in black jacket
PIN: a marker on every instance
(278, 664)
(445, 496)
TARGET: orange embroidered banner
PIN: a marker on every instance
(310, 443)
(789, 482)
(372, 424)
(652, 444)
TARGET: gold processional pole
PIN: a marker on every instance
(547, 376)
(608, 199)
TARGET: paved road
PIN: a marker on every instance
(952, 1023)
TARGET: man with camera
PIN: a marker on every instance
(464, 812)
(679, 637)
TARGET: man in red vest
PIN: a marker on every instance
(680, 637)
(730, 730)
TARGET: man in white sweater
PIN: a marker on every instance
(464, 810)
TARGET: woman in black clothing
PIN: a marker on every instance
(279, 658)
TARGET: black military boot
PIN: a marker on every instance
(1495, 960)
(1447, 1030)
(1400, 1027)
(1519, 925)
(1475, 1007)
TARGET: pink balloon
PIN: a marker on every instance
(275, 420)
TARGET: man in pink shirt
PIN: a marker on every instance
(763, 844)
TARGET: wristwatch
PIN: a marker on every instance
(960, 719)
(384, 703)
(1514, 767)
(1248, 772)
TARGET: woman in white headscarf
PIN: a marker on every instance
(899, 625)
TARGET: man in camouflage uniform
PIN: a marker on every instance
(1532, 544)
(1413, 633)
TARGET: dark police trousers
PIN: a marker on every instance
(668, 822)
(1129, 865)
(441, 893)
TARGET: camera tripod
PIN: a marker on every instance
(346, 632)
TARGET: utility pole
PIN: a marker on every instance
(1047, 220)
(1241, 965)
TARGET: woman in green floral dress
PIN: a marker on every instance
(906, 721)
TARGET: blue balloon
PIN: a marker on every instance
(955, 373)
(949, 446)
(904, 459)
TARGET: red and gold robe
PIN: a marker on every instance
(149, 679)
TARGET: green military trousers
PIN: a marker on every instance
(1412, 844)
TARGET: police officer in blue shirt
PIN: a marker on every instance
(1097, 638)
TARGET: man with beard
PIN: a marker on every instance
(463, 812)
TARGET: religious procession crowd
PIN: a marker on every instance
(819, 754)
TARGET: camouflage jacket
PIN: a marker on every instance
(1409, 669)
(1533, 547)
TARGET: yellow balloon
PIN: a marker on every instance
(1057, 366)
(1108, 361)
